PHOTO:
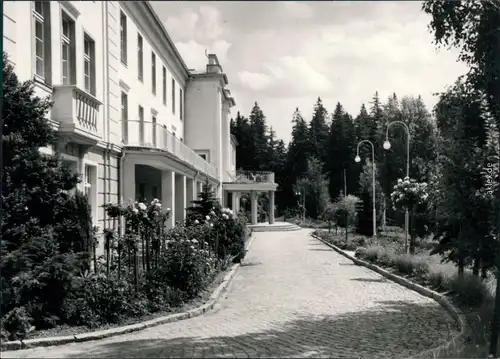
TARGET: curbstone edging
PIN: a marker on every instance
(101, 334)
(441, 299)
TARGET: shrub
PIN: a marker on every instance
(45, 233)
(188, 266)
(470, 290)
(17, 324)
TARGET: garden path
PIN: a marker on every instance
(293, 297)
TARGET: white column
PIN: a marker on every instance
(238, 202)
(234, 202)
(168, 195)
(180, 198)
(254, 206)
(190, 192)
(224, 199)
(271, 207)
(128, 182)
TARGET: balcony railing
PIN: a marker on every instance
(149, 134)
(253, 177)
(77, 112)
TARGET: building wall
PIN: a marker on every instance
(201, 128)
(140, 91)
(201, 117)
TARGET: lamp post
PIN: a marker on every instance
(358, 159)
(302, 195)
(387, 146)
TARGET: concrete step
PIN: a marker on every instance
(275, 227)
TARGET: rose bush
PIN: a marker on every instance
(408, 194)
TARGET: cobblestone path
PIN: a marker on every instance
(294, 297)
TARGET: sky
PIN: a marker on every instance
(285, 55)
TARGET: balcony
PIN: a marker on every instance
(253, 177)
(151, 135)
(78, 115)
(251, 180)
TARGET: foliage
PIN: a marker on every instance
(345, 208)
(314, 185)
(45, 235)
(202, 207)
(408, 193)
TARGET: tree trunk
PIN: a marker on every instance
(461, 266)
(477, 266)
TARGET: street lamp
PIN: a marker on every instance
(302, 193)
(358, 159)
(387, 145)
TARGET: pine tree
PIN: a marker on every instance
(341, 153)
(258, 130)
(318, 132)
(202, 207)
(296, 157)
(245, 154)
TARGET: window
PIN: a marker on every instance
(125, 117)
(89, 64)
(141, 124)
(123, 37)
(181, 107)
(173, 96)
(204, 156)
(164, 86)
(140, 58)
(153, 73)
(41, 17)
(68, 50)
(88, 181)
(154, 192)
(153, 120)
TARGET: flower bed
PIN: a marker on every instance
(147, 271)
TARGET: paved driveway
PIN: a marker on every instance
(294, 297)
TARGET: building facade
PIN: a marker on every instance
(131, 117)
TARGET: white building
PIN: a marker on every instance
(132, 118)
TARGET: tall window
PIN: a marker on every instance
(88, 182)
(125, 117)
(140, 58)
(173, 96)
(41, 18)
(153, 73)
(123, 37)
(181, 104)
(68, 50)
(141, 124)
(89, 64)
(153, 120)
(164, 86)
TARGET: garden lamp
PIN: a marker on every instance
(387, 145)
(357, 159)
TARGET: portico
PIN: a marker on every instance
(254, 183)
(148, 175)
